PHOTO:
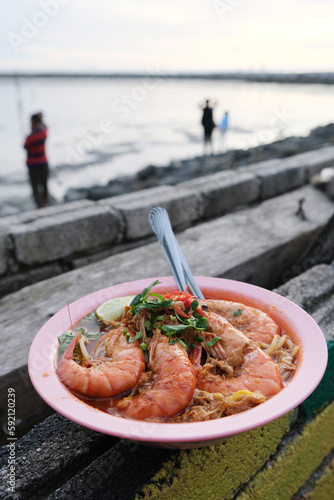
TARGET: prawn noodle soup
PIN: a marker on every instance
(174, 358)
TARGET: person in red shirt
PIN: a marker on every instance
(37, 162)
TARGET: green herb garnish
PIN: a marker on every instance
(89, 317)
(236, 313)
(212, 341)
(141, 301)
(173, 328)
(93, 335)
(143, 346)
(138, 335)
(65, 339)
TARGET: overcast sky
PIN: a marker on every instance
(170, 35)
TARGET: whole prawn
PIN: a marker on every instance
(170, 388)
(117, 368)
(255, 324)
(232, 342)
(258, 372)
(245, 365)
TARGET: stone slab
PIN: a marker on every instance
(297, 461)
(32, 215)
(59, 236)
(224, 191)
(60, 459)
(14, 282)
(277, 179)
(3, 251)
(282, 175)
(183, 205)
(310, 289)
(49, 455)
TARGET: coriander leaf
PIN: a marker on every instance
(173, 328)
(89, 317)
(144, 294)
(213, 341)
(80, 329)
(93, 335)
(199, 338)
(202, 323)
(236, 313)
(194, 304)
(173, 341)
(65, 339)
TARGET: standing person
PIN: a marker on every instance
(223, 126)
(208, 124)
(37, 162)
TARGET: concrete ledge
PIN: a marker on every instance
(277, 177)
(183, 205)
(282, 175)
(296, 462)
(68, 233)
(324, 486)
(58, 236)
(73, 462)
(198, 473)
(225, 191)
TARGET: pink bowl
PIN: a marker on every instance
(303, 330)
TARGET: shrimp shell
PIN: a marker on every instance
(171, 387)
(104, 376)
(256, 324)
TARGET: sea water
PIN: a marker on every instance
(102, 128)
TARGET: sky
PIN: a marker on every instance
(170, 36)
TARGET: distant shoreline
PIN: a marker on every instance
(298, 78)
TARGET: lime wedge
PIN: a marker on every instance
(113, 309)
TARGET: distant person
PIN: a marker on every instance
(37, 162)
(208, 124)
(223, 126)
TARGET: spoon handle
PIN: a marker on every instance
(161, 225)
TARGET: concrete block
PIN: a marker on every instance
(224, 191)
(324, 393)
(278, 178)
(4, 237)
(37, 214)
(49, 454)
(63, 462)
(310, 288)
(297, 461)
(324, 485)
(59, 236)
(217, 472)
(314, 161)
(184, 207)
(13, 282)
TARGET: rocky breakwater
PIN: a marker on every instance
(183, 170)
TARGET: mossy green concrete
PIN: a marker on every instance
(296, 463)
(324, 393)
(217, 471)
(324, 487)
